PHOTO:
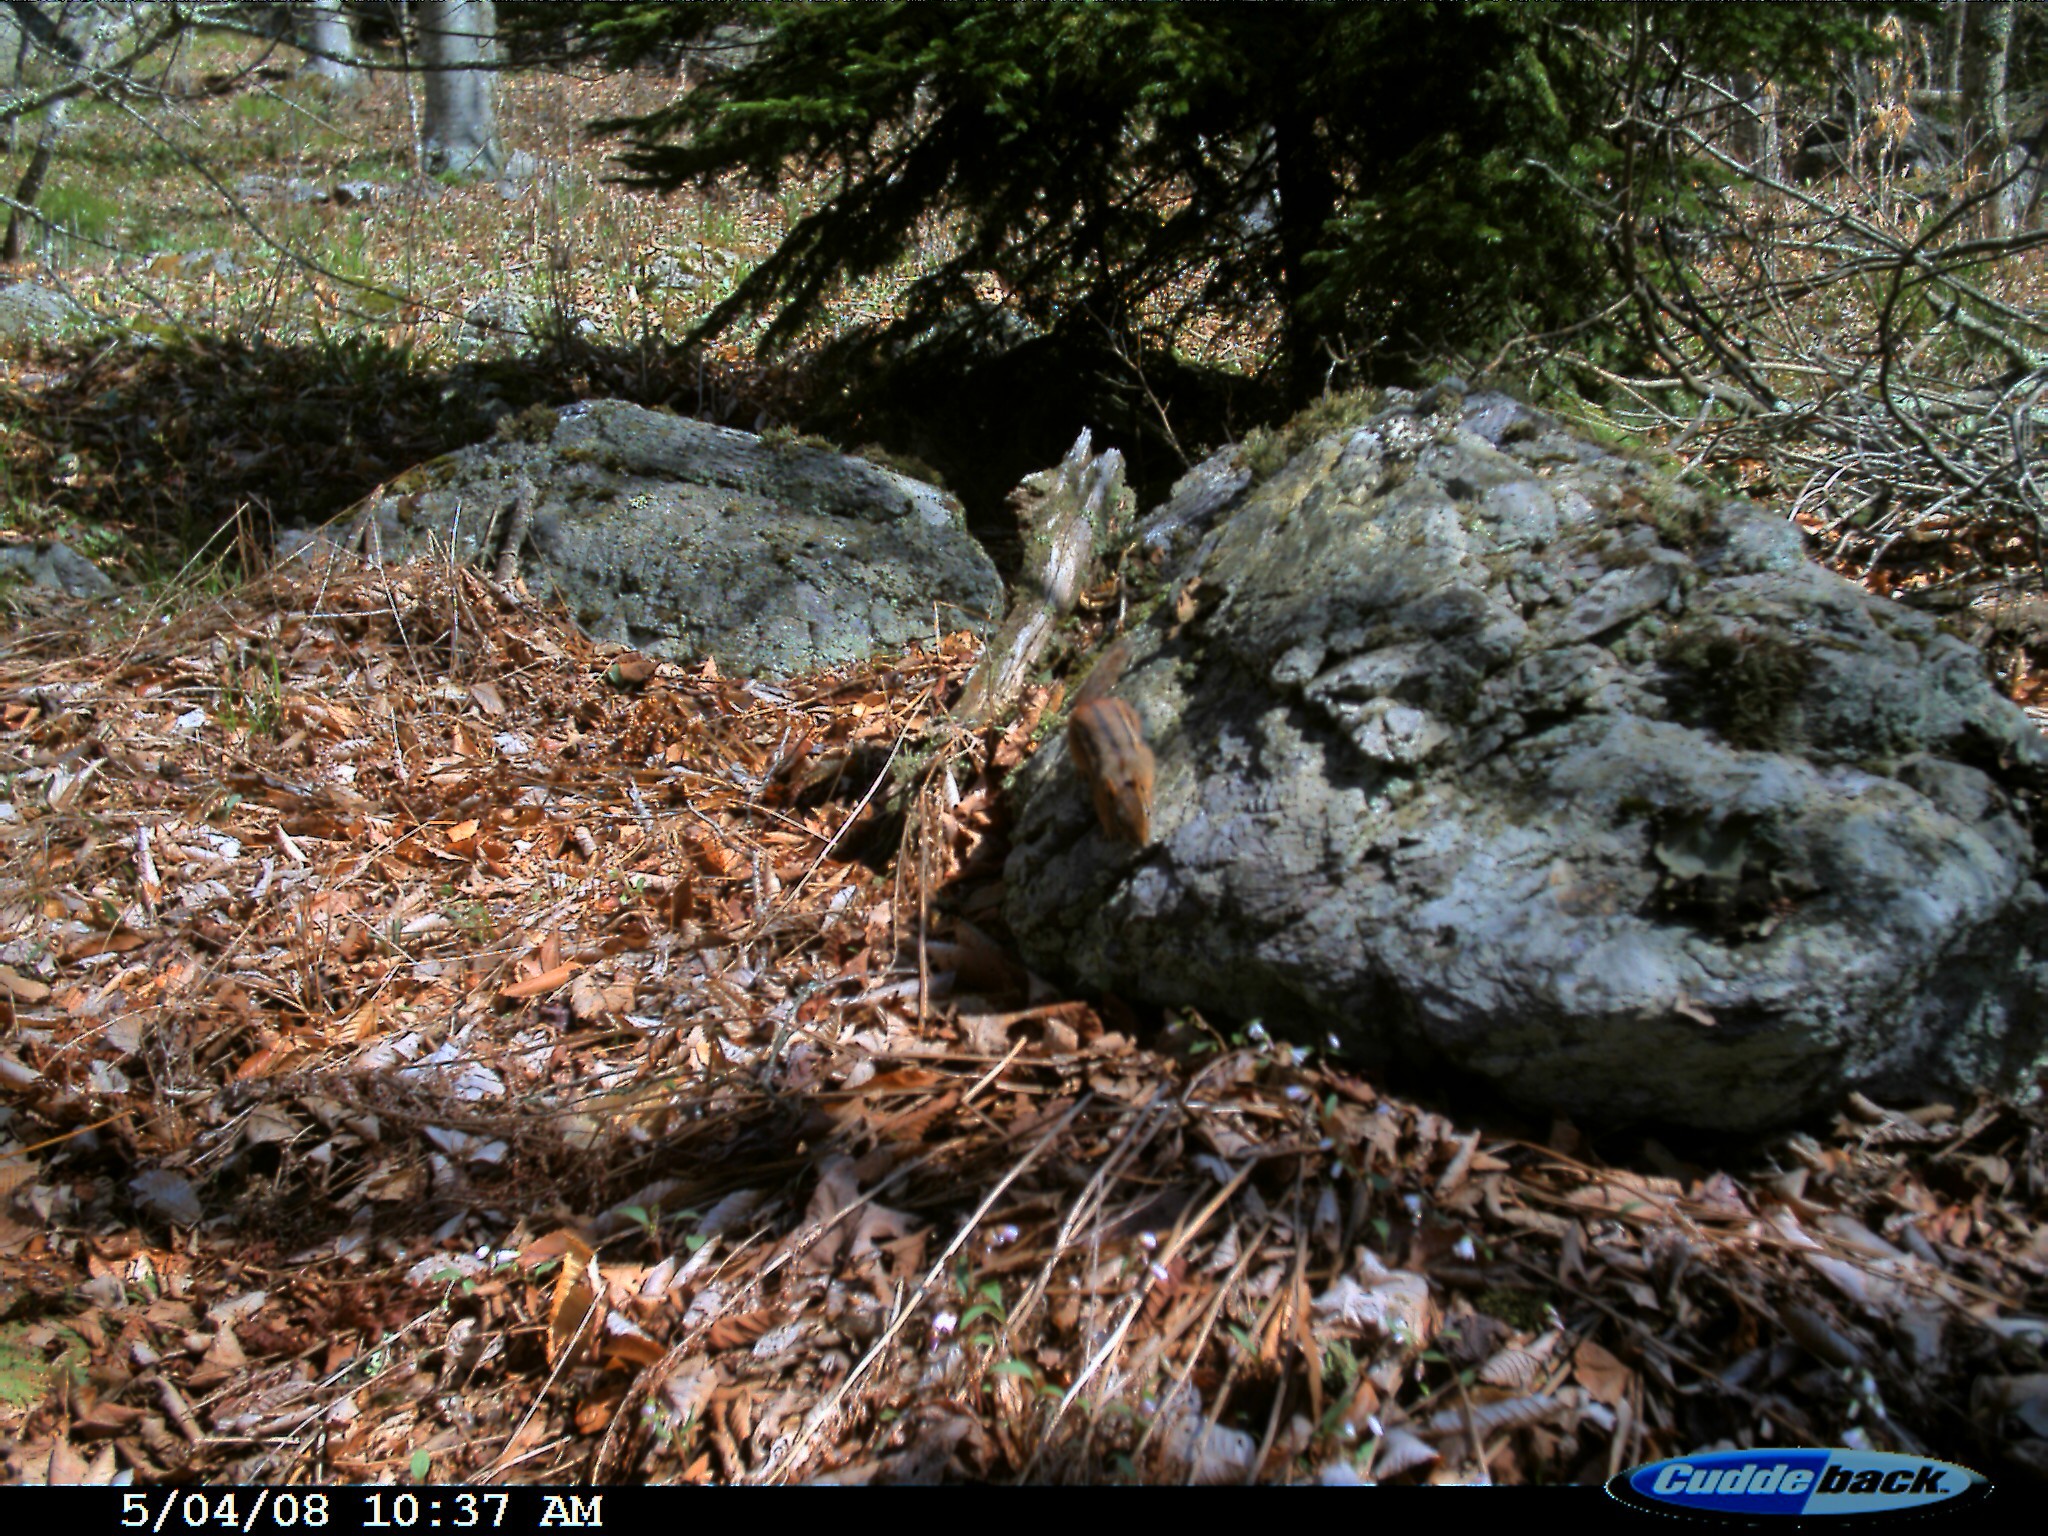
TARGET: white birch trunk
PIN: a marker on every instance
(460, 136)
(330, 46)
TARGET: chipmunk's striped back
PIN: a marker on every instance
(1107, 742)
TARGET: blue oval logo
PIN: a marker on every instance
(1749, 1484)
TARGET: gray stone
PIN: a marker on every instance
(257, 187)
(520, 166)
(1199, 498)
(29, 309)
(1497, 751)
(498, 322)
(684, 539)
(57, 567)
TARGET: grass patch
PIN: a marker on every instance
(258, 109)
(80, 210)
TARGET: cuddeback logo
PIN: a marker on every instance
(1749, 1484)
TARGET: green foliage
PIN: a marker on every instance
(1100, 161)
(1389, 181)
(26, 1376)
(475, 919)
(80, 210)
(259, 109)
(252, 695)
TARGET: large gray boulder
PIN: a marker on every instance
(685, 539)
(1484, 747)
(29, 310)
(56, 567)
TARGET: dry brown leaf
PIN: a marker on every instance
(574, 1313)
(738, 1332)
(539, 986)
(22, 988)
(1604, 1377)
(631, 670)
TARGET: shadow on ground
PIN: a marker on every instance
(146, 452)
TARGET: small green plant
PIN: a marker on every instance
(258, 109)
(25, 1376)
(253, 696)
(716, 226)
(349, 254)
(667, 1430)
(474, 919)
(81, 210)
(568, 196)
(990, 1306)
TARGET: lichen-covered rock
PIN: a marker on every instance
(685, 539)
(1488, 748)
(57, 567)
(27, 309)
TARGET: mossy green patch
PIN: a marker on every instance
(259, 109)
(81, 210)
(787, 440)
(1524, 1310)
(1681, 516)
(26, 1374)
(1742, 681)
(1265, 449)
(902, 463)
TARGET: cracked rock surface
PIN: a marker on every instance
(684, 539)
(1492, 749)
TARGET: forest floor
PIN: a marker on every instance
(436, 1049)
(441, 1051)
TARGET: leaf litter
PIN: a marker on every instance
(435, 1046)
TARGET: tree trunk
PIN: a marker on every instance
(1987, 108)
(1307, 200)
(2031, 184)
(1755, 137)
(64, 50)
(1070, 513)
(458, 38)
(31, 185)
(1954, 25)
(330, 46)
(14, 48)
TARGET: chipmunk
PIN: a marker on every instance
(1107, 742)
